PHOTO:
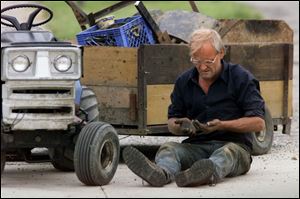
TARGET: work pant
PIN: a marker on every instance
(229, 159)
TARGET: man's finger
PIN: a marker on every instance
(204, 126)
(178, 121)
(196, 124)
(200, 125)
(191, 132)
(213, 122)
(185, 130)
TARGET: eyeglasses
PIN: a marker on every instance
(205, 62)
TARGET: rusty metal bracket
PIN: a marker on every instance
(112, 8)
(288, 64)
(91, 18)
(194, 6)
(133, 106)
(81, 17)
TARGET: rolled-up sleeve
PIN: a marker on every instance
(250, 98)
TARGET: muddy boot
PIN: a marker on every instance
(200, 173)
(144, 168)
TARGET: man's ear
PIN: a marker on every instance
(222, 53)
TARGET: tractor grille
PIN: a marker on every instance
(38, 104)
(43, 91)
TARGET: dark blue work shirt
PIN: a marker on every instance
(233, 95)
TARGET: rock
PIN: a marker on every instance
(182, 23)
(295, 157)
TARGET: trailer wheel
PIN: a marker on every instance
(62, 157)
(262, 141)
(96, 155)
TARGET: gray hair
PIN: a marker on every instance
(200, 36)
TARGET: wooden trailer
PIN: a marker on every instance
(133, 85)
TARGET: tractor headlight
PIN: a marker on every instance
(20, 63)
(62, 63)
(41, 62)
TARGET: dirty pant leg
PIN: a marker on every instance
(173, 157)
(230, 160)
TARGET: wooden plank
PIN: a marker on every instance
(163, 63)
(158, 100)
(116, 104)
(113, 66)
(286, 84)
(113, 97)
(266, 61)
(116, 116)
(142, 89)
(272, 92)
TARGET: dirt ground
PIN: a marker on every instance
(274, 175)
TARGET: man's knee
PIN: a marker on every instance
(242, 156)
(171, 150)
(234, 150)
(169, 146)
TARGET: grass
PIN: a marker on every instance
(65, 26)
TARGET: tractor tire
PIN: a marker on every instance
(3, 153)
(89, 104)
(96, 155)
(262, 141)
(62, 157)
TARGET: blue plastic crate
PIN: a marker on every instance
(131, 32)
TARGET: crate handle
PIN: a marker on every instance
(135, 31)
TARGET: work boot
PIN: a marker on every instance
(201, 172)
(144, 168)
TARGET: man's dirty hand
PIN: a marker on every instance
(186, 126)
(209, 127)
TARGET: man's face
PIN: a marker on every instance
(207, 61)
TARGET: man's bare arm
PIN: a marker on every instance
(241, 125)
(244, 125)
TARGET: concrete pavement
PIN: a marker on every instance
(265, 179)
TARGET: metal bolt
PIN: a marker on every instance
(38, 139)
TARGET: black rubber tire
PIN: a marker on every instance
(62, 158)
(3, 153)
(89, 104)
(262, 141)
(3, 159)
(96, 155)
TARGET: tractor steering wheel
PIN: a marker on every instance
(27, 25)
